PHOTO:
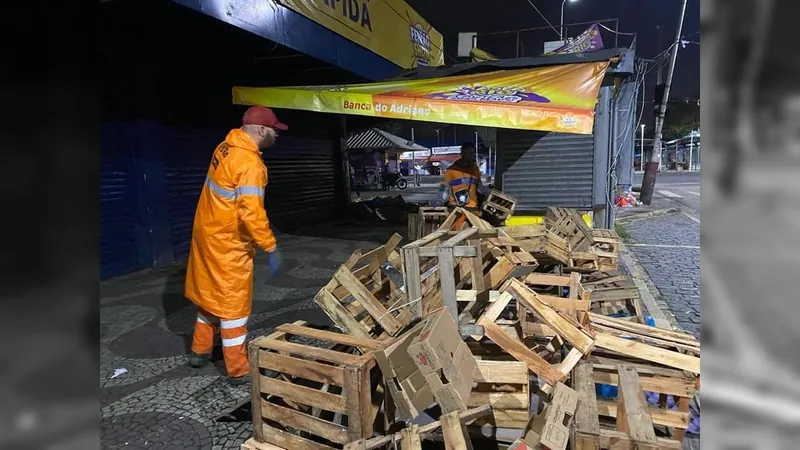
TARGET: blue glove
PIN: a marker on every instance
(275, 262)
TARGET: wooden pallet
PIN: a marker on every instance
(499, 205)
(305, 405)
(568, 223)
(361, 299)
(426, 221)
(635, 421)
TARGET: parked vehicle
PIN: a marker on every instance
(394, 180)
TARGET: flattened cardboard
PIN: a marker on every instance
(549, 428)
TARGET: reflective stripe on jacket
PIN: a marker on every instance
(230, 222)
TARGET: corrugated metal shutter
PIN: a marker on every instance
(542, 169)
(118, 237)
(301, 189)
(302, 182)
(187, 154)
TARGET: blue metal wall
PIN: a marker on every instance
(272, 21)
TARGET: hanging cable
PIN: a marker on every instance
(616, 32)
(545, 18)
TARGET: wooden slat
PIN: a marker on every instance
(339, 314)
(506, 418)
(678, 387)
(455, 437)
(648, 352)
(633, 415)
(303, 395)
(359, 416)
(551, 317)
(471, 295)
(412, 279)
(476, 273)
(411, 439)
(309, 370)
(667, 335)
(370, 303)
(494, 310)
(285, 440)
(311, 352)
(300, 420)
(500, 400)
(339, 338)
(255, 392)
(586, 418)
(660, 416)
(615, 440)
(516, 349)
(448, 280)
(565, 303)
(542, 279)
(510, 372)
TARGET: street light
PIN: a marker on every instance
(562, 17)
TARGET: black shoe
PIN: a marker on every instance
(239, 381)
(197, 361)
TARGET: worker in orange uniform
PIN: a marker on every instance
(229, 224)
(461, 184)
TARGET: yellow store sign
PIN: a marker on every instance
(389, 28)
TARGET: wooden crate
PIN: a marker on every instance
(634, 421)
(504, 385)
(362, 300)
(569, 224)
(613, 293)
(606, 247)
(427, 220)
(544, 244)
(499, 205)
(481, 257)
(321, 397)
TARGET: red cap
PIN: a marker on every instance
(259, 115)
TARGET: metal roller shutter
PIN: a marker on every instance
(187, 154)
(118, 210)
(301, 189)
(302, 182)
(544, 169)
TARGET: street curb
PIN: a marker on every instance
(648, 292)
(647, 215)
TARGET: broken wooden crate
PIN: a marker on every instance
(504, 384)
(361, 299)
(613, 294)
(427, 220)
(569, 224)
(449, 426)
(634, 422)
(321, 397)
(482, 265)
(499, 205)
(606, 246)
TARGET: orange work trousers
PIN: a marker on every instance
(233, 333)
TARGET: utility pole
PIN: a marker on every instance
(649, 178)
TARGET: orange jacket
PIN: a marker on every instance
(230, 222)
(460, 177)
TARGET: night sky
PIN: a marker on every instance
(635, 16)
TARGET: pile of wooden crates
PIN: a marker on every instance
(474, 336)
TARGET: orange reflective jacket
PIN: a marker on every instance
(462, 178)
(230, 222)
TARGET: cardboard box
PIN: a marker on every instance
(409, 390)
(550, 429)
(446, 361)
(429, 364)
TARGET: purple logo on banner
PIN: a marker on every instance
(588, 41)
